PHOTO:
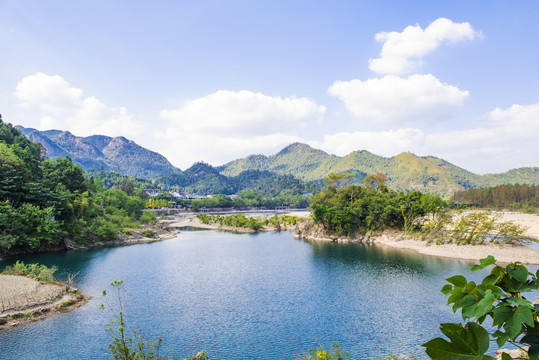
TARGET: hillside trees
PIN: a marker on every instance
(43, 202)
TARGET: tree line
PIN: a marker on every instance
(516, 196)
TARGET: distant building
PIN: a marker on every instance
(152, 192)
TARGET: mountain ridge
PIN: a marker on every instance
(100, 152)
(405, 171)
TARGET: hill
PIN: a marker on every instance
(405, 171)
(100, 152)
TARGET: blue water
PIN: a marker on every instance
(247, 296)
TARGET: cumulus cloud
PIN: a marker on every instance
(519, 120)
(394, 99)
(227, 124)
(61, 106)
(385, 143)
(402, 51)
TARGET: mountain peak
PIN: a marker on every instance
(299, 148)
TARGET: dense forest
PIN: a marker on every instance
(48, 203)
(516, 196)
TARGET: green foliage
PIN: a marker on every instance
(321, 353)
(405, 172)
(148, 217)
(242, 221)
(39, 272)
(516, 197)
(470, 228)
(149, 234)
(66, 303)
(498, 297)
(359, 209)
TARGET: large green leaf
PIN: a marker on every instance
(457, 280)
(466, 343)
(489, 260)
(513, 319)
(518, 272)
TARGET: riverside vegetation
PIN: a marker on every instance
(30, 292)
(47, 204)
(358, 210)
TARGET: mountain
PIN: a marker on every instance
(204, 179)
(100, 152)
(405, 171)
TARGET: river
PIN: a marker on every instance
(247, 296)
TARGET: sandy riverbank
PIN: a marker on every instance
(23, 299)
(503, 253)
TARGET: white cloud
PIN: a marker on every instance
(519, 120)
(385, 143)
(402, 51)
(229, 112)
(61, 106)
(222, 126)
(395, 99)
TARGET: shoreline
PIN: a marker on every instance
(42, 300)
(505, 253)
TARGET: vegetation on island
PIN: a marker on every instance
(498, 300)
(358, 209)
(522, 197)
(244, 222)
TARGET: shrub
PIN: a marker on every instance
(148, 217)
(39, 272)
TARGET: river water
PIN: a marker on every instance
(247, 296)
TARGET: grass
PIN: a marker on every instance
(38, 272)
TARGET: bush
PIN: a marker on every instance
(39, 272)
(149, 234)
(148, 217)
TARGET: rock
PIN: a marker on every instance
(515, 354)
(3, 321)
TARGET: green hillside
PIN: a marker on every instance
(405, 171)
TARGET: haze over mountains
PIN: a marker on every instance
(405, 171)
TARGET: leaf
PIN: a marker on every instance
(457, 280)
(506, 356)
(513, 324)
(466, 343)
(467, 304)
(484, 305)
(483, 263)
(518, 272)
(446, 290)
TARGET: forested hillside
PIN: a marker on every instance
(406, 171)
(48, 203)
(515, 196)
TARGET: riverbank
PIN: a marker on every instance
(306, 230)
(24, 300)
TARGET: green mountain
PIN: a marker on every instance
(100, 152)
(204, 179)
(405, 171)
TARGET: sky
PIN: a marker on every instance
(215, 81)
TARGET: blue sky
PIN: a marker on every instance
(218, 80)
